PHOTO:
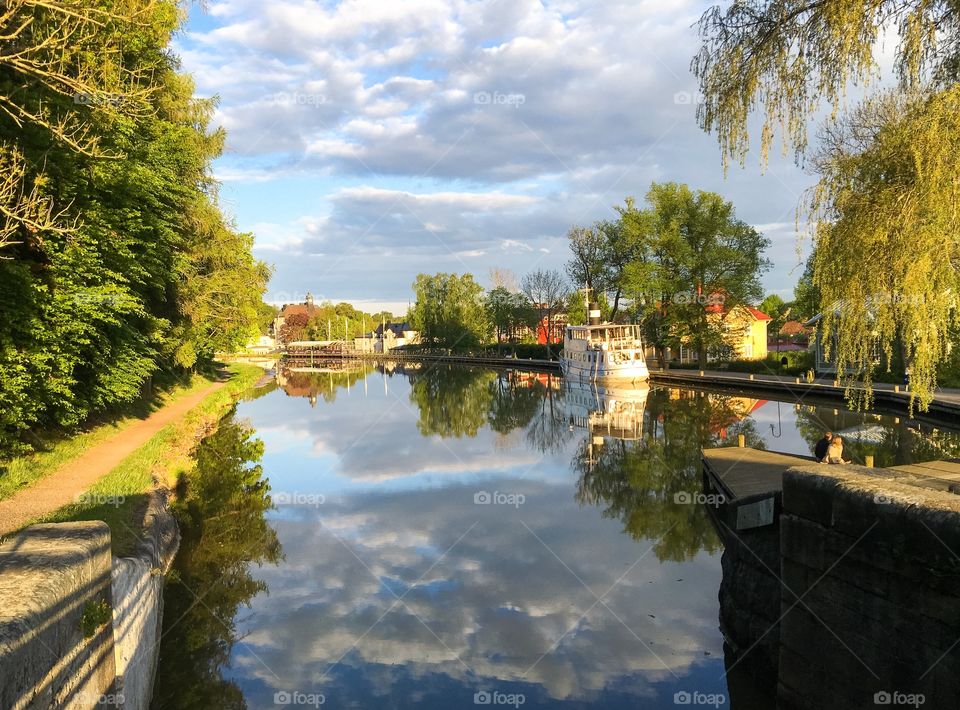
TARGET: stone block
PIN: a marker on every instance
(51, 577)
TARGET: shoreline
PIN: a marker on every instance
(945, 406)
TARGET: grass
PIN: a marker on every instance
(119, 498)
(58, 448)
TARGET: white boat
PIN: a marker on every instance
(603, 351)
(612, 410)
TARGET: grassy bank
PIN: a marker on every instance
(119, 497)
(57, 448)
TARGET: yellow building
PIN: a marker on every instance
(745, 332)
(744, 335)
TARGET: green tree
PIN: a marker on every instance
(449, 311)
(887, 232)
(698, 259)
(508, 312)
(883, 210)
(118, 263)
(779, 310)
(806, 295)
(588, 266)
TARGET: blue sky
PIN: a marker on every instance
(371, 141)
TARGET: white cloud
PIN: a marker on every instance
(447, 134)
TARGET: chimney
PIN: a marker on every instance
(593, 313)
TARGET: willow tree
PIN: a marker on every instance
(885, 239)
(888, 233)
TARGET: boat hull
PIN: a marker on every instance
(631, 371)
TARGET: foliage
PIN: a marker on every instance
(449, 311)
(94, 615)
(224, 531)
(790, 55)
(885, 245)
(888, 235)
(341, 321)
(778, 310)
(117, 260)
(806, 295)
(694, 257)
(509, 312)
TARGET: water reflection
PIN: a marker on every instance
(408, 583)
(224, 531)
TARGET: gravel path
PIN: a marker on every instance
(63, 485)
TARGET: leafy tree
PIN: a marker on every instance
(508, 312)
(449, 311)
(778, 310)
(547, 292)
(588, 266)
(116, 260)
(887, 231)
(883, 209)
(698, 258)
(806, 295)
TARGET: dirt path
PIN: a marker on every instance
(63, 485)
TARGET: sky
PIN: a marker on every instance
(369, 141)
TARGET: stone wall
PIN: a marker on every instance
(871, 597)
(50, 577)
(138, 604)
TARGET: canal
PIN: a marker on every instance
(447, 537)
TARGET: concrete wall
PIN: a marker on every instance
(871, 602)
(48, 575)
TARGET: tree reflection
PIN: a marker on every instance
(866, 434)
(223, 531)
(453, 401)
(643, 481)
(321, 382)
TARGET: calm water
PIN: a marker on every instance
(447, 538)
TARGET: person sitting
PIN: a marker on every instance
(835, 451)
(820, 448)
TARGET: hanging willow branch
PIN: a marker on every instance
(787, 57)
(887, 216)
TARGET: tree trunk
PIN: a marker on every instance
(616, 306)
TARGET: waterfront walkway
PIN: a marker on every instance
(73, 478)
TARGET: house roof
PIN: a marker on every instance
(759, 315)
(290, 309)
(395, 328)
(793, 327)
